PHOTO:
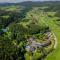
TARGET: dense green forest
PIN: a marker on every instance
(30, 31)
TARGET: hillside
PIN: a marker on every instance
(30, 30)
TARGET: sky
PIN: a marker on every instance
(14, 1)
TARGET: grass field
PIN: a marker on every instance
(55, 29)
(55, 55)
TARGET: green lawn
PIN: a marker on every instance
(55, 55)
(43, 18)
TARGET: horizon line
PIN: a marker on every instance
(29, 1)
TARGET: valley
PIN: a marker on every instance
(30, 31)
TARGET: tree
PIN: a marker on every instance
(8, 51)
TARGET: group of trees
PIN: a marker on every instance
(13, 41)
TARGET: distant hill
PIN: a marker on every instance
(31, 3)
(38, 3)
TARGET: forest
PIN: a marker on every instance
(30, 30)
